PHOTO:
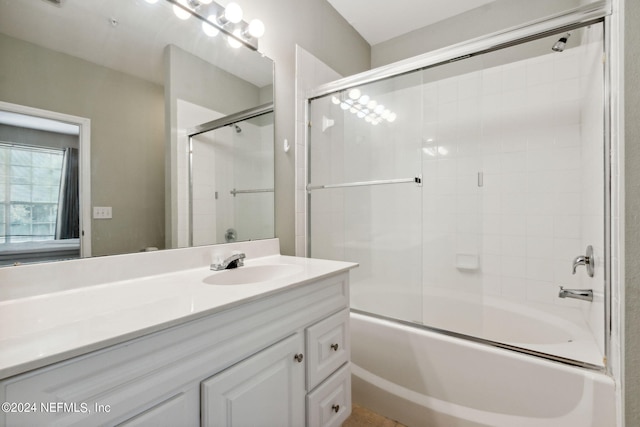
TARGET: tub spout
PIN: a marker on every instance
(582, 294)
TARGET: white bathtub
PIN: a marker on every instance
(557, 331)
(424, 378)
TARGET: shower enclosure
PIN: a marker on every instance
(468, 185)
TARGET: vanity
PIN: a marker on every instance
(266, 344)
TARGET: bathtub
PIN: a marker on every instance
(424, 378)
(556, 331)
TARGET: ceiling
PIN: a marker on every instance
(378, 21)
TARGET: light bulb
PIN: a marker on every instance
(379, 109)
(368, 119)
(353, 110)
(335, 100)
(209, 29)
(233, 13)
(372, 104)
(385, 113)
(152, 1)
(364, 99)
(256, 28)
(391, 117)
(180, 12)
(233, 42)
(361, 114)
(354, 94)
(345, 106)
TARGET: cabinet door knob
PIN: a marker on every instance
(298, 357)
(334, 347)
(335, 408)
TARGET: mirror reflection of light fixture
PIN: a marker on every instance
(363, 107)
(209, 29)
(180, 12)
(233, 42)
(219, 19)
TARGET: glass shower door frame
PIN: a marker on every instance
(589, 14)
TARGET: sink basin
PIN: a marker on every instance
(252, 274)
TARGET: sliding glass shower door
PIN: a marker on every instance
(365, 160)
(469, 191)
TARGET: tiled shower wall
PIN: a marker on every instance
(524, 222)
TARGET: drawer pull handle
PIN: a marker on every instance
(335, 408)
(334, 347)
(298, 357)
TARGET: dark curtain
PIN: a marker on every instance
(68, 221)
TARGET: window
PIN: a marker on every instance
(29, 191)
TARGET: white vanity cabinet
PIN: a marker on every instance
(275, 360)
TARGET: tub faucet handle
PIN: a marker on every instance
(586, 260)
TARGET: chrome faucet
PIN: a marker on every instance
(233, 261)
(581, 294)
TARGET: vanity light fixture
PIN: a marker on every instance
(255, 29)
(218, 19)
(232, 13)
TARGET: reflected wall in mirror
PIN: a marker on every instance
(126, 66)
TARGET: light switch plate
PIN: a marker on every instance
(102, 212)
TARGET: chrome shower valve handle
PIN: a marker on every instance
(586, 260)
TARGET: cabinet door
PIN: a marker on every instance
(265, 390)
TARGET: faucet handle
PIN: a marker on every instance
(586, 260)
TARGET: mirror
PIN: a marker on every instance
(133, 78)
(232, 174)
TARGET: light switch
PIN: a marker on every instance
(102, 212)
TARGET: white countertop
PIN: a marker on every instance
(39, 330)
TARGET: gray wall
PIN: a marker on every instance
(318, 28)
(632, 212)
(492, 17)
(127, 139)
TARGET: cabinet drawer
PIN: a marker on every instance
(330, 403)
(328, 347)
